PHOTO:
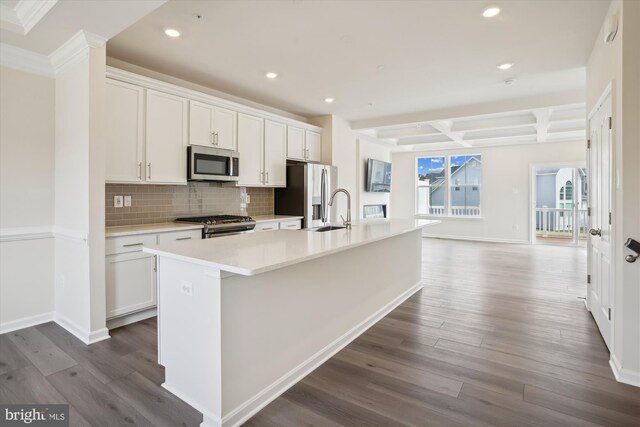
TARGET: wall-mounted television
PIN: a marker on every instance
(378, 176)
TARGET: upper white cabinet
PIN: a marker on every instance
(250, 145)
(262, 147)
(303, 144)
(166, 138)
(124, 131)
(212, 126)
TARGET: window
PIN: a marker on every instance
(449, 186)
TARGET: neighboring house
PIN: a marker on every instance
(463, 190)
(555, 190)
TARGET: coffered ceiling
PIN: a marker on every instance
(376, 58)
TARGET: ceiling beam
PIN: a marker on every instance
(445, 127)
(542, 123)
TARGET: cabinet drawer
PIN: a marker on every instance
(266, 226)
(124, 244)
(178, 236)
(290, 225)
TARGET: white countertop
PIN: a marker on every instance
(274, 218)
(128, 230)
(255, 253)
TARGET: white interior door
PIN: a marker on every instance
(599, 290)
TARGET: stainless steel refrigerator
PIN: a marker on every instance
(309, 187)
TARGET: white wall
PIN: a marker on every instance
(26, 198)
(370, 148)
(620, 62)
(505, 192)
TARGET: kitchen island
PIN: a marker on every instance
(242, 318)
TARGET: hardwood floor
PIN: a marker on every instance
(497, 337)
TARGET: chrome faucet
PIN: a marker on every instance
(345, 222)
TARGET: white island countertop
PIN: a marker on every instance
(254, 253)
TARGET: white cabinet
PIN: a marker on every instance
(266, 226)
(124, 131)
(166, 138)
(145, 148)
(312, 143)
(275, 156)
(303, 144)
(262, 147)
(212, 126)
(130, 283)
(288, 224)
(130, 274)
(293, 224)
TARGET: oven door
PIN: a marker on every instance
(212, 164)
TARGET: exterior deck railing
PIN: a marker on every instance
(558, 222)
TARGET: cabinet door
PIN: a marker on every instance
(295, 143)
(130, 283)
(250, 142)
(266, 226)
(124, 132)
(312, 142)
(275, 155)
(224, 126)
(166, 151)
(201, 124)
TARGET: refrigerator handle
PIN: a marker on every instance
(323, 195)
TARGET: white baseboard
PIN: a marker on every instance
(208, 420)
(83, 335)
(476, 239)
(127, 319)
(622, 375)
(26, 322)
(249, 408)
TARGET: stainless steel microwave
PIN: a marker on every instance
(212, 164)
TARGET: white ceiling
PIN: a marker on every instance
(434, 54)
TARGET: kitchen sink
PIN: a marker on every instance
(328, 228)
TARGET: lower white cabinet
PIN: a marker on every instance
(289, 224)
(131, 283)
(267, 226)
(131, 274)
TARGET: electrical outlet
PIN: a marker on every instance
(248, 198)
(117, 201)
(127, 201)
(186, 287)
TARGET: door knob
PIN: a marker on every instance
(634, 245)
(595, 232)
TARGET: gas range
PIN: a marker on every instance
(221, 225)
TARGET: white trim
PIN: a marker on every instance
(477, 239)
(598, 104)
(25, 233)
(74, 50)
(127, 319)
(243, 412)
(77, 236)
(26, 322)
(149, 83)
(622, 375)
(83, 335)
(25, 60)
(25, 15)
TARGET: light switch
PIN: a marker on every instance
(117, 201)
(127, 201)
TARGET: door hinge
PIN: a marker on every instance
(588, 144)
(588, 211)
(588, 278)
(609, 313)
(609, 218)
(610, 123)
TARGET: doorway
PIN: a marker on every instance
(560, 197)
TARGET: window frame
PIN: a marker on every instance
(447, 184)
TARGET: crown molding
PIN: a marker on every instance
(74, 50)
(25, 60)
(25, 15)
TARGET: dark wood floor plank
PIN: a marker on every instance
(41, 351)
(100, 359)
(579, 409)
(156, 404)
(146, 364)
(94, 400)
(28, 385)
(283, 412)
(10, 357)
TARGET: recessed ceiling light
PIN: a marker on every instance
(329, 100)
(271, 75)
(490, 12)
(172, 32)
(505, 66)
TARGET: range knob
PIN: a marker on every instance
(208, 222)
